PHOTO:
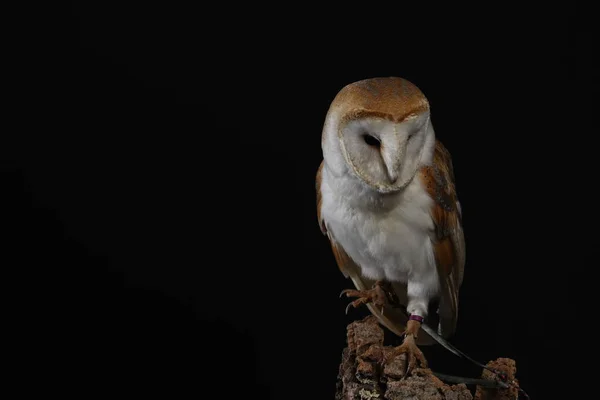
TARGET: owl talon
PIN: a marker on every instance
(356, 303)
(376, 296)
(414, 355)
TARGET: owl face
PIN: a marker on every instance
(384, 154)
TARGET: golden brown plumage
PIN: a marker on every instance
(391, 98)
(449, 244)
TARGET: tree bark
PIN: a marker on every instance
(506, 366)
(363, 376)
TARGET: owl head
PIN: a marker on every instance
(378, 130)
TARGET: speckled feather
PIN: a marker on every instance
(391, 98)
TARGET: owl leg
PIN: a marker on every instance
(409, 347)
(377, 295)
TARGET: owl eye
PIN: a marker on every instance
(371, 141)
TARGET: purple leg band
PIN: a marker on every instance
(416, 317)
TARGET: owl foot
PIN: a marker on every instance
(376, 296)
(414, 355)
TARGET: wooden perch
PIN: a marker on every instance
(362, 375)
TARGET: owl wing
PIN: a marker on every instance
(392, 318)
(448, 241)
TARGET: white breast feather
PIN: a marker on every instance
(387, 236)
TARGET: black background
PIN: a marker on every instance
(160, 221)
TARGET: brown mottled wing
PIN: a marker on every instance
(449, 244)
(319, 198)
(392, 318)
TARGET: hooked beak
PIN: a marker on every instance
(393, 154)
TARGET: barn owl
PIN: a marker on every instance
(386, 199)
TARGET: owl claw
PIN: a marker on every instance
(414, 355)
(348, 307)
(375, 296)
(356, 303)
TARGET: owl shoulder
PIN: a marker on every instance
(438, 181)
